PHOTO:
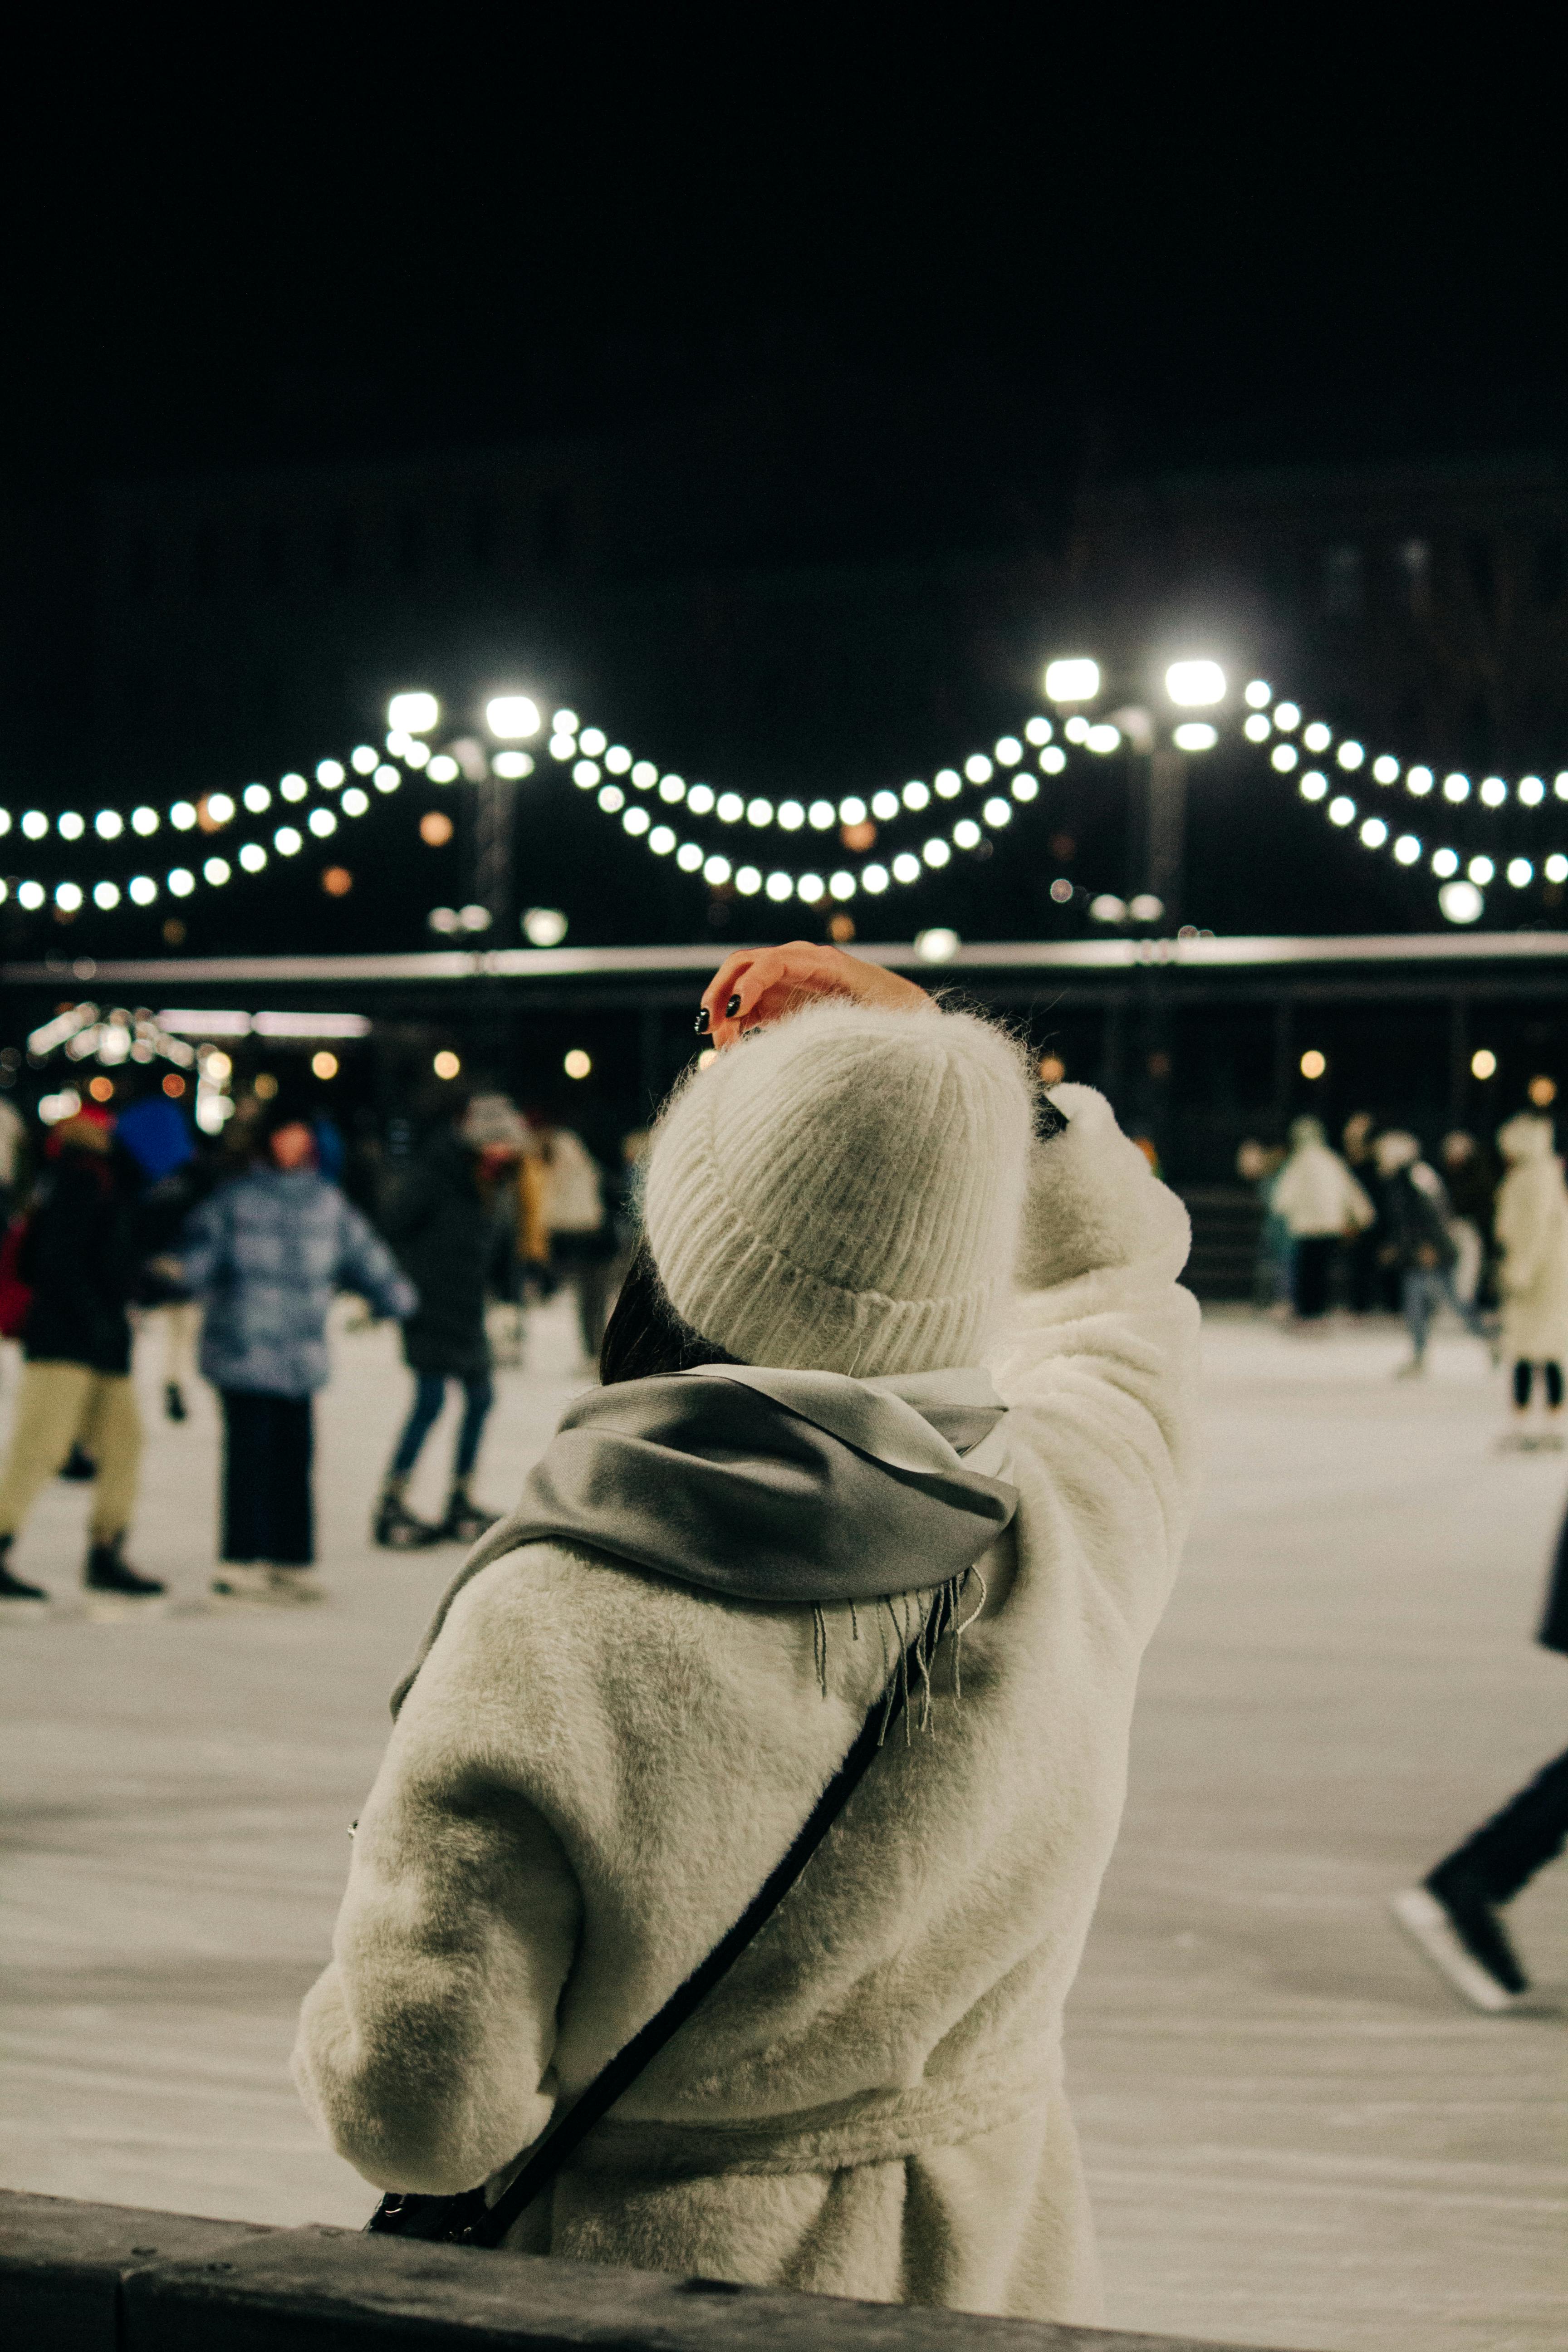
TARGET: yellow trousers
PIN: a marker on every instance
(59, 1405)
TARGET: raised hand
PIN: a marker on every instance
(757, 985)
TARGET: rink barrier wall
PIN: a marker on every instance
(110, 2278)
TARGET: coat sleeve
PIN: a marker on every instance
(367, 1266)
(202, 1246)
(1100, 1362)
(424, 2051)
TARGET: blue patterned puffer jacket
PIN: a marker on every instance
(265, 1255)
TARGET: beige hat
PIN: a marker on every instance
(843, 1191)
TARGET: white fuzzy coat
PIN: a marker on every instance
(595, 1770)
(1531, 1229)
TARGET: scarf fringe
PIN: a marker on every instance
(942, 1620)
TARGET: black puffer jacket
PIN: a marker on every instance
(79, 1256)
(1417, 1229)
(439, 1225)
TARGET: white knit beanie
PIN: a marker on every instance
(842, 1192)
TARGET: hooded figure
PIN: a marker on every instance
(1321, 1204)
(1531, 1229)
(921, 1348)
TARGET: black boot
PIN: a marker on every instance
(11, 1587)
(465, 1522)
(79, 1467)
(394, 1527)
(174, 1402)
(107, 1572)
(1473, 1916)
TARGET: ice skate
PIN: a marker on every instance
(107, 1572)
(294, 1588)
(394, 1527)
(465, 1522)
(13, 1590)
(1457, 1929)
(245, 1582)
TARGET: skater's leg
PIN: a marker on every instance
(51, 1403)
(430, 1395)
(478, 1395)
(112, 1433)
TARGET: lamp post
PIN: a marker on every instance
(494, 771)
(1157, 820)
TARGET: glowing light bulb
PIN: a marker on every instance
(512, 717)
(1494, 792)
(1314, 786)
(1194, 685)
(1284, 756)
(1461, 902)
(413, 714)
(1407, 849)
(1317, 737)
(1521, 872)
(1258, 695)
(1385, 770)
(1072, 679)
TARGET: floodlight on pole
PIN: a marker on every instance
(1195, 684)
(511, 716)
(1072, 679)
(413, 714)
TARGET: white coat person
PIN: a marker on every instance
(1531, 1230)
(596, 1767)
(1321, 1204)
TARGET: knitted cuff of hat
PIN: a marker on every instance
(843, 1191)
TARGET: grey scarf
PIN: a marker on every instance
(805, 1488)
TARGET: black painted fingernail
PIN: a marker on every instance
(700, 1024)
(731, 1008)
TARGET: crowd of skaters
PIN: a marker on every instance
(1379, 1227)
(227, 1258)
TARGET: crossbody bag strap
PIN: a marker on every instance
(489, 2225)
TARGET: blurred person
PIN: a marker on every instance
(79, 1256)
(1418, 1244)
(582, 1238)
(1470, 1180)
(1453, 1914)
(880, 1335)
(12, 1155)
(1257, 1165)
(265, 1255)
(1531, 1227)
(155, 1134)
(1321, 1204)
(440, 1222)
(1366, 1284)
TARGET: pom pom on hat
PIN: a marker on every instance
(843, 1191)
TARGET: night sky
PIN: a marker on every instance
(1046, 259)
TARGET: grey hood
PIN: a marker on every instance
(802, 1488)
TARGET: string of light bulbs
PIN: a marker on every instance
(650, 804)
(212, 813)
(1461, 880)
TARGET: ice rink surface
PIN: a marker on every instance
(1295, 2136)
